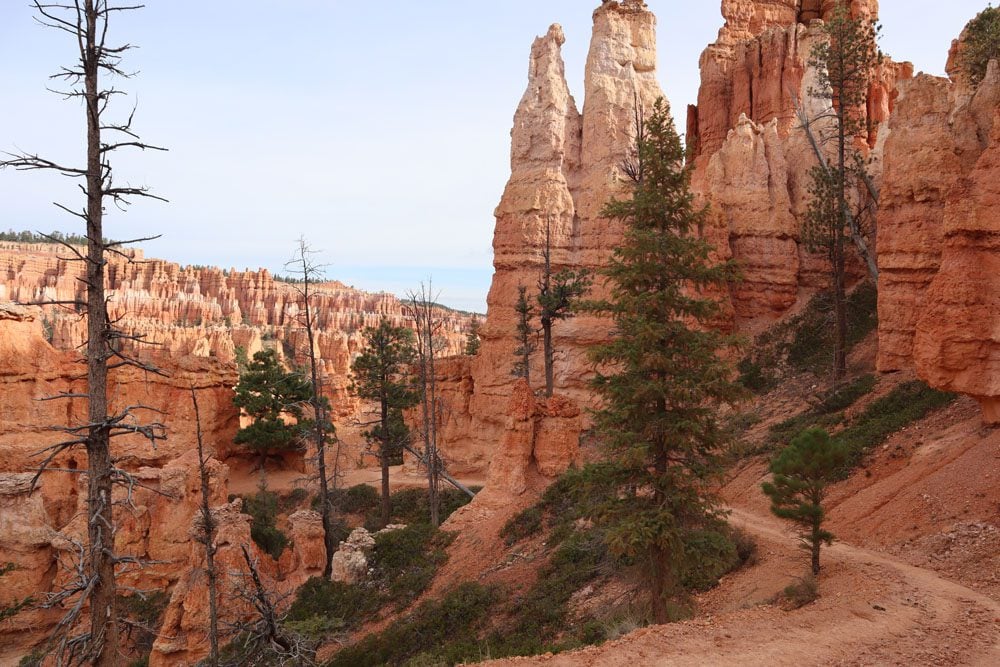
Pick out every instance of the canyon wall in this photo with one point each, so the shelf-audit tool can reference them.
(208, 312)
(752, 160)
(42, 525)
(939, 236)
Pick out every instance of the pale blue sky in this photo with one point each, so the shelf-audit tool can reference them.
(379, 130)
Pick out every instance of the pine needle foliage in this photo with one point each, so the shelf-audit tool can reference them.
(802, 473)
(661, 376)
(982, 43)
(274, 398)
(380, 376)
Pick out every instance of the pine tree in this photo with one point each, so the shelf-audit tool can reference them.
(802, 472)
(273, 398)
(661, 376)
(525, 344)
(380, 376)
(844, 62)
(982, 43)
(472, 341)
(558, 296)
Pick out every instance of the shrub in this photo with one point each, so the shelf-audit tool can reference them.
(709, 553)
(358, 499)
(343, 605)
(982, 43)
(801, 593)
(905, 404)
(406, 560)
(438, 631)
(522, 525)
(146, 612)
(263, 510)
(843, 397)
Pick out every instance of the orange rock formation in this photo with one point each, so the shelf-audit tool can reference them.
(939, 225)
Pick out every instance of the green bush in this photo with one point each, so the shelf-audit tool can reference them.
(345, 605)
(982, 43)
(146, 613)
(843, 397)
(801, 593)
(358, 499)
(522, 525)
(441, 631)
(263, 510)
(405, 561)
(813, 341)
(709, 553)
(411, 506)
(904, 405)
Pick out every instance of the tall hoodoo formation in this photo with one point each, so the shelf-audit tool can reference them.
(564, 167)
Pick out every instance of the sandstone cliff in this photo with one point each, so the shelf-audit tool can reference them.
(208, 312)
(938, 237)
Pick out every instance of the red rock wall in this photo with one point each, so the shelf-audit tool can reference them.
(938, 238)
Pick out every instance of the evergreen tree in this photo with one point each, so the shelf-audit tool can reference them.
(472, 341)
(661, 376)
(272, 397)
(982, 43)
(802, 472)
(844, 62)
(558, 295)
(380, 375)
(525, 345)
(15, 607)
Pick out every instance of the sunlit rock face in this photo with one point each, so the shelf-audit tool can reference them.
(565, 166)
(939, 227)
(209, 312)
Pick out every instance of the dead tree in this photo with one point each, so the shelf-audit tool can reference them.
(262, 640)
(206, 536)
(322, 429)
(421, 306)
(87, 22)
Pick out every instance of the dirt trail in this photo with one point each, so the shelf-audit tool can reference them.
(874, 610)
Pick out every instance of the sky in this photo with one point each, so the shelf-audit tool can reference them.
(379, 131)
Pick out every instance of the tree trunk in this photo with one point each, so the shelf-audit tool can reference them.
(100, 519)
(208, 538)
(815, 546)
(432, 469)
(839, 269)
(547, 350)
(658, 600)
(384, 460)
(319, 417)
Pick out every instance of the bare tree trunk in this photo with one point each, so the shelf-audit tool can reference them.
(546, 319)
(319, 415)
(422, 305)
(208, 539)
(839, 268)
(87, 21)
(100, 520)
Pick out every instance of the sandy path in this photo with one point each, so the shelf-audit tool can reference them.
(874, 610)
